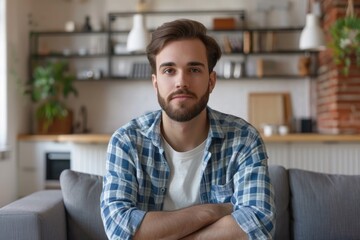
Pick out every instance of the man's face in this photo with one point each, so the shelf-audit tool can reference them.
(182, 81)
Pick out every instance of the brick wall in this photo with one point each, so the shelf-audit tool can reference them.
(338, 96)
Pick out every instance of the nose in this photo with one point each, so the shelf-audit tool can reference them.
(182, 81)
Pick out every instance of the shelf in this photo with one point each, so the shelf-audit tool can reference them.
(280, 52)
(128, 54)
(64, 33)
(252, 29)
(266, 77)
(249, 29)
(113, 15)
(54, 55)
(104, 138)
(260, 29)
(128, 78)
(260, 41)
(269, 77)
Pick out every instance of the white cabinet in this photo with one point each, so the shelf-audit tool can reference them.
(32, 164)
(327, 157)
(87, 158)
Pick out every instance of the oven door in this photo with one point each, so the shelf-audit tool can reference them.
(56, 162)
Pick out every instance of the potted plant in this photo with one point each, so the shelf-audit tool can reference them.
(345, 43)
(50, 86)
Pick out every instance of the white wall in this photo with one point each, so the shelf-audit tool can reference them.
(16, 110)
(116, 102)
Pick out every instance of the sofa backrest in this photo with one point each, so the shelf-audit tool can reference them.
(81, 194)
(324, 206)
(280, 181)
(309, 205)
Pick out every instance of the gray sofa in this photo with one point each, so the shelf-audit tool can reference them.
(309, 206)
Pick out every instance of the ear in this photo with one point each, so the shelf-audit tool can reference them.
(154, 81)
(212, 81)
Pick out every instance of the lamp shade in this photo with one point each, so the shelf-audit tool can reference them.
(312, 36)
(139, 36)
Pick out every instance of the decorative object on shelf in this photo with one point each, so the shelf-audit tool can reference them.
(304, 65)
(139, 36)
(312, 36)
(273, 13)
(87, 25)
(316, 9)
(70, 26)
(140, 70)
(90, 74)
(51, 84)
(82, 51)
(110, 46)
(270, 108)
(345, 42)
(224, 23)
(141, 6)
(233, 69)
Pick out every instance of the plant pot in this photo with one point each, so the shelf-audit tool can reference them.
(58, 126)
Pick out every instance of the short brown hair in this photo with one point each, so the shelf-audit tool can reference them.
(178, 30)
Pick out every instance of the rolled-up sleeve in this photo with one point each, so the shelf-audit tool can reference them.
(253, 199)
(120, 216)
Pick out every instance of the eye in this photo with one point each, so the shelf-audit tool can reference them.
(168, 71)
(195, 70)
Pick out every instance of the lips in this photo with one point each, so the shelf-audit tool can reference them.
(182, 94)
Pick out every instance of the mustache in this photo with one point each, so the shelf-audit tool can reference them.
(181, 91)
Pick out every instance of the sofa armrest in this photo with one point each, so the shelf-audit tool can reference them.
(40, 215)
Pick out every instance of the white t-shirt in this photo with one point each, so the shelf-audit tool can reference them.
(185, 173)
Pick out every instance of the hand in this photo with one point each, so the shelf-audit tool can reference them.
(225, 228)
(180, 223)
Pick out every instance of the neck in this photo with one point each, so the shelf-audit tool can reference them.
(184, 136)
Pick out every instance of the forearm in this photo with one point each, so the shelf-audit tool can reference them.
(225, 228)
(180, 223)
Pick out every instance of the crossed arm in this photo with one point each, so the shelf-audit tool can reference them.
(206, 221)
(125, 217)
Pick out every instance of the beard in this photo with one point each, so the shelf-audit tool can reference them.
(183, 113)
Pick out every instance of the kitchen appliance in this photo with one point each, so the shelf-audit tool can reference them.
(56, 162)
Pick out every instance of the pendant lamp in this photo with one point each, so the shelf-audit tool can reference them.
(139, 36)
(312, 36)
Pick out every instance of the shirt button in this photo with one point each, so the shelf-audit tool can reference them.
(162, 190)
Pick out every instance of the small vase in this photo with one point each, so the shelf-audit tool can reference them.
(58, 126)
(139, 36)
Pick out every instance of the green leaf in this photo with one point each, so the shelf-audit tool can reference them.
(51, 83)
(345, 29)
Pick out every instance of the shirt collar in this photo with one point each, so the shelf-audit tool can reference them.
(153, 131)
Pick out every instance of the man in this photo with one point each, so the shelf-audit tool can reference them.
(187, 171)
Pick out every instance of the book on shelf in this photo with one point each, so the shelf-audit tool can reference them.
(140, 70)
(247, 42)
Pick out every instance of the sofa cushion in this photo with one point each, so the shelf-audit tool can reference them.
(324, 206)
(280, 182)
(81, 193)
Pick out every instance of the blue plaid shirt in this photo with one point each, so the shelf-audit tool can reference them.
(234, 170)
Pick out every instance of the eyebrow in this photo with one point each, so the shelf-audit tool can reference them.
(169, 64)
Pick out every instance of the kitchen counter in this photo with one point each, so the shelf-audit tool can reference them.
(315, 152)
(76, 138)
(104, 138)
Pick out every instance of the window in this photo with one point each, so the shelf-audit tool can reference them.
(3, 74)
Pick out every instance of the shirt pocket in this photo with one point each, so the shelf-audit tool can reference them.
(222, 193)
